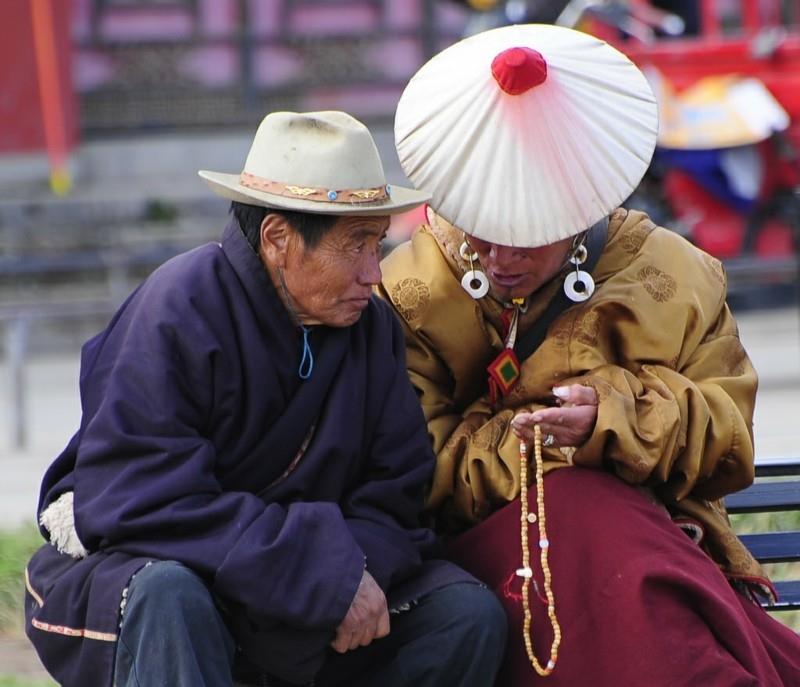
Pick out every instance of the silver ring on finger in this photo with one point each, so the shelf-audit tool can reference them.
(548, 440)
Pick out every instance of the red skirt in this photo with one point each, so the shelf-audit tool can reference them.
(638, 602)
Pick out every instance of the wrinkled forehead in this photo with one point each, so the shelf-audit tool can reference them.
(356, 225)
(352, 228)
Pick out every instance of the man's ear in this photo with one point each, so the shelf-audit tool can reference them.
(275, 239)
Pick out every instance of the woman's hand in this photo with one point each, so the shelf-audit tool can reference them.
(571, 423)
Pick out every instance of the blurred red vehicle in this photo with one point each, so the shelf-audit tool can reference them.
(739, 41)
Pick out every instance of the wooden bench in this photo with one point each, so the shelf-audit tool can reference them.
(768, 495)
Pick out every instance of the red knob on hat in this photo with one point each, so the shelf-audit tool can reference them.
(517, 70)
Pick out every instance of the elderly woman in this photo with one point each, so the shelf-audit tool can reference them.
(248, 474)
(550, 332)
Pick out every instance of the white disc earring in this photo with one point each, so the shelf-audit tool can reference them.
(475, 283)
(578, 286)
(463, 251)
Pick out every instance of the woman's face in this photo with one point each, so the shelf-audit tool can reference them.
(332, 282)
(518, 272)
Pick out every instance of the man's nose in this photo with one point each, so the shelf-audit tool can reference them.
(371, 271)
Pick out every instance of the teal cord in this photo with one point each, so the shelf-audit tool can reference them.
(307, 361)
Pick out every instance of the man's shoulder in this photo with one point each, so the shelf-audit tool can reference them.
(193, 281)
(186, 274)
(189, 265)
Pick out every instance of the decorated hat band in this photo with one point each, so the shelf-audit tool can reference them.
(358, 195)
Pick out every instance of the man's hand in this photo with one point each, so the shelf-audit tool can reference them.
(571, 423)
(366, 619)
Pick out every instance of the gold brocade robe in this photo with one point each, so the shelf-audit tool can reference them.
(656, 341)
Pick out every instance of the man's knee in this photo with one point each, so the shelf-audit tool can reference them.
(471, 616)
(169, 587)
(171, 631)
(461, 634)
(476, 608)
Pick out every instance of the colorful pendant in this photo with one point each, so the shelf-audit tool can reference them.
(504, 370)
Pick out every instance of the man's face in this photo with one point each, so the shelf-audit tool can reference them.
(518, 272)
(332, 283)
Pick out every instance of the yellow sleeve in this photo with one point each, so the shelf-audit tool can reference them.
(682, 432)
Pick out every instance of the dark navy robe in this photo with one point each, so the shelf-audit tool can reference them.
(200, 443)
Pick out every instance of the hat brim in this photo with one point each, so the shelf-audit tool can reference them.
(534, 168)
(228, 186)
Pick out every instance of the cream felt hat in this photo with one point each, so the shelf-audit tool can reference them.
(525, 135)
(318, 162)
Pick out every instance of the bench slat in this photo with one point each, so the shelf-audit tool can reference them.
(778, 468)
(764, 497)
(788, 596)
(773, 547)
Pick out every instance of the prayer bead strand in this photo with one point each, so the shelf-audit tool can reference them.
(526, 572)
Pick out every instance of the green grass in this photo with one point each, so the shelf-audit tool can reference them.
(16, 547)
(774, 522)
(11, 681)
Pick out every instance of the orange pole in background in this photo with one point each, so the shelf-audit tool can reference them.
(51, 96)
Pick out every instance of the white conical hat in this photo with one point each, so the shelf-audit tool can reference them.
(564, 140)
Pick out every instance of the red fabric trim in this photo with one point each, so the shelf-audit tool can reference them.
(763, 585)
(507, 317)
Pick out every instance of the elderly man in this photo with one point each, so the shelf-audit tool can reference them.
(241, 500)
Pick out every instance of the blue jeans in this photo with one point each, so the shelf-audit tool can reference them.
(174, 635)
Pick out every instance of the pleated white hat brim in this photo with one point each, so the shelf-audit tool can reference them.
(527, 170)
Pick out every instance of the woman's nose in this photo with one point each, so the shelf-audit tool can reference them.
(500, 254)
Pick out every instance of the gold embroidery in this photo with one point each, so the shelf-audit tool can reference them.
(715, 266)
(733, 360)
(366, 194)
(634, 238)
(357, 195)
(588, 328)
(517, 393)
(561, 330)
(463, 432)
(661, 286)
(601, 388)
(411, 296)
(488, 436)
(301, 191)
